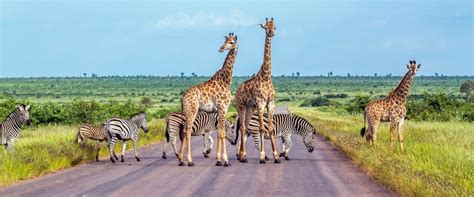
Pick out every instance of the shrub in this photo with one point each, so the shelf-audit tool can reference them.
(357, 104)
(317, 102)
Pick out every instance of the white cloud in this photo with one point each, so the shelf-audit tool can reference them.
(235, 18)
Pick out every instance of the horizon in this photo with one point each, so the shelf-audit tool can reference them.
(54, 38)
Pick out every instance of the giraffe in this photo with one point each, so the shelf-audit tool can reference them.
(211, 96)
(392, 108)
(258, 94)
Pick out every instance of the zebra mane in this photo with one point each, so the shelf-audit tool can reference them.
(299, 119)
(138, 114)
(13, 113)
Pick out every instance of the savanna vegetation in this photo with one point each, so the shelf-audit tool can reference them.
(438, 131)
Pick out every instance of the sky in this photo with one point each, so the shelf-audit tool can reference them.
(360, 37)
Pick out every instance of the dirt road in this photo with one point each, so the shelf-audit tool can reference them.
(325, 172)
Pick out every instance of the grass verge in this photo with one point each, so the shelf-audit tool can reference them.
(47, 149)
(438, 157)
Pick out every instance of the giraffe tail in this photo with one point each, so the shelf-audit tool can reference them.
(362, 131)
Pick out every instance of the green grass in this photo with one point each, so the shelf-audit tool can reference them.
(47, 149)
(438, 157)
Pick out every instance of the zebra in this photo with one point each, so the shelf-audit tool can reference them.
(285, 126)
(10, 128)
(125, 130)
(204, 124)
(93, 132)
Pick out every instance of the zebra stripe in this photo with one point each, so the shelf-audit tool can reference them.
(285, 125)
(92, 132)
(125, 130)
(10, 128)
(204, 124)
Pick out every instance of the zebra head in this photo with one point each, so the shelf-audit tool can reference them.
(25, 115)
(140, 120)
(308, 137)
(231, 132)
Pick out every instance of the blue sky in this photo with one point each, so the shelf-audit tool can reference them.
(68, 38)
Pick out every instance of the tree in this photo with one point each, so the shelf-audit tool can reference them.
(146, 101)
(194, 74)
(182, 74)
(466, 88)
(293, 74)
(375, 74)
(329, 73)
(94, 75)
(348, 75)
(297, 74)
(436, 74)
(85, 75)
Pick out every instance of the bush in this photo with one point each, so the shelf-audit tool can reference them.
(439, 107)
(340, 95)
(317, 102)
(357, 104)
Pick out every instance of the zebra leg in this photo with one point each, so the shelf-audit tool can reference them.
(135, 148)
(271, 130)
(260, 109)
(211, 143)
(206, 144)
(124, 146)
(98, 150)
(173, 143)
(164, 150)
(111, 149)
(289, 144)
(256, 140)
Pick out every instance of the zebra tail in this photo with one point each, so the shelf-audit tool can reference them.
(181, 132)
(362, 131)
(167, 129)
(79, 138)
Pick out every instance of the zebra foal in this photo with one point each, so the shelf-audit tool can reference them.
(92, 132)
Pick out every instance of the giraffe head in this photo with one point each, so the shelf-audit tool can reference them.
(269, 27)
(229, 43)
(413, 67)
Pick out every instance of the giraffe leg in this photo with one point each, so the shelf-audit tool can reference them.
(190, 111)
(373, 133)
(271, 131)
(400, 133)
(241, 121)
(221, 133)
(260, 109)
(393, 126)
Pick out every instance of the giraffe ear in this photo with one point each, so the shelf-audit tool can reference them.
(419, 65)
(235, 37)
(261, 25)
(408, 66)
(272, 18)
(225, 37)
(27, 107)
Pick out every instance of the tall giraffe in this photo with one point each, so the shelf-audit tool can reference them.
(392, 108)
(258, 94)
(211, 96)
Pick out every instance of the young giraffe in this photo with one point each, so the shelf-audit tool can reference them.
(212, 96)
(390, 109)
(256, 94)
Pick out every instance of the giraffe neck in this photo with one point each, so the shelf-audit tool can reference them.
(225, 73)
(265, 70)
(401, 92)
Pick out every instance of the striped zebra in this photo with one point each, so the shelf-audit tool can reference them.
(125, 130)
(204, 124)
(285, 125)
(92, 132)
(10, 128)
